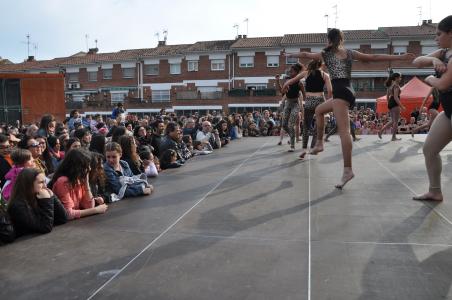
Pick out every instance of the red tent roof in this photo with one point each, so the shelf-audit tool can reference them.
(413, 89)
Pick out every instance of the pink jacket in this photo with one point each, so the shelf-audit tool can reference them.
(73, 199)
(10, 180)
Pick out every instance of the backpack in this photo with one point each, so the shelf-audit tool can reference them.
(7, 234)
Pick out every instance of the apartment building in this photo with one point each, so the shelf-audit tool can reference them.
(228, 75)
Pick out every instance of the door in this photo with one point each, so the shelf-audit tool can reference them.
(10, 101)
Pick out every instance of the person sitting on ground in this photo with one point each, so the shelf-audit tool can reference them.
(54, 146)
(22, 158)
(266, 124)
(142, 138)
(253, 130)
(71, 144)
(32, 131)
(33, 208)
(47, 126)
(190, 128)
(97, 144)
(117, 133)
(84, 135)
(159, 129)
(70, 183)
(130, 155)
(97, 177)
(115, 168)
(169, 160)
(36, 152)
(201, 149)
(172, 141)
(6, 162)
(150, 168)
(46, 157)
(206, 135)
(223, 132)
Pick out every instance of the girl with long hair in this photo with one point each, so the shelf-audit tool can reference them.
(440, 133)
(70, 183)
(33, 207)
(339, 62)
(394, 104)
(130, 154)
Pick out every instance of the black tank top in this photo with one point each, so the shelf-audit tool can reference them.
(294, 91)
(315, 82)
(445, 97)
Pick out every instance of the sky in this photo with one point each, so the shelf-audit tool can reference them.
(59, 27)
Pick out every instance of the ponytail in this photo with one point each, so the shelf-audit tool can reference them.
(391, 79)
(314, 65)
(335, 38)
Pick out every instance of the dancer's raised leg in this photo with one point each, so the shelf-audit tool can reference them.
(320, 112)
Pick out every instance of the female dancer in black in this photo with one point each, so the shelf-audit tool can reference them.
(440, 133)
(339, 63)
(394, 104)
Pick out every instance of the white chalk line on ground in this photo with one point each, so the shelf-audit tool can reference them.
(175, 222)
(309, 229)
(439, 213)
(383, 243)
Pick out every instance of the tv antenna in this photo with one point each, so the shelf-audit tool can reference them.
(246, 21)
(419, 13)
(157, 34)
(86, 41)
(35, 48)
(327, 17)
(336, 16)
(236, 26)
(95, 41)
(165, 34)
(28, 42)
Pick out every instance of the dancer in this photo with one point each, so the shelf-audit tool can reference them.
(394, 104)
(440, 133)
(281, 109)
(432, 110)
(339, 63)
(292, 106)
(316, 80)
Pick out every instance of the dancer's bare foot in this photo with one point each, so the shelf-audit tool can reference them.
(412, 133)
(346, 177)
(430, 196)
(379, 135)
(280, 143)
(317, 149)
(356, 139)
(327, 140)
(395, 139)
(303, 155)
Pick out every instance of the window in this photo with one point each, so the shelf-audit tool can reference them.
(72, 77)
(398, 50)
(151, 69)
(175, 69)
(380, 51)
(257, 86)
(246, 61)
(128, 73)
(428, 49)
(108, 73)
(92, 76)
(217, 65)
(192, 66)
(272, 61)
(291, 60)
(118, 97)
(161, 96)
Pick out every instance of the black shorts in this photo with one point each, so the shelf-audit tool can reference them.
(392, 103)
(342, 89)
(446, 102)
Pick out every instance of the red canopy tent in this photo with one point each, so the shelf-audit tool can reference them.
(413, 92)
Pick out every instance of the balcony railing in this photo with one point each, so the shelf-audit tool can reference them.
(238, 93)
(247, 93)
(187, 95)
(212, 95)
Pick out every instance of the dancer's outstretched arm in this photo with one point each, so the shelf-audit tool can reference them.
(381, 57)
(431, 60)
(443, 83)
(426, 97)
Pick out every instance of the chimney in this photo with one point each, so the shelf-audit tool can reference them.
(162, 43)
(429, 21)
(244, 36)
(93, 50)
(31, 58)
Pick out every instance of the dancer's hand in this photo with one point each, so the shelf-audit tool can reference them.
(408, 56)
(403, 107)
(439, 66)
(429, 78)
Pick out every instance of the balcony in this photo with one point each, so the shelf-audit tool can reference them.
(211, 95)
(196, 95)
(248, 93)
(187, 95)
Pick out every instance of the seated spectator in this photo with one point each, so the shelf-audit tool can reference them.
(223, 132)
(35, 148)
(33, 207)
(159, 129)
(117, 133)
(141, 136)
(150, 168)
(130, 155)
(97, 177)
(172, 141)
(21, 159)
(190, 128)
(201, 149)
(84, 135)
(206, 135)
(60, 129)
(115, 168)
(253, 130)
(71, 185)
(47, 126)
(118, 111)
(54, 145)
(98, 143)
(169, 160)
(64, 138)
(72, 143)
(6, 162)
(74, 117)
(46, 156)
(32, 131)
(266, 124)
